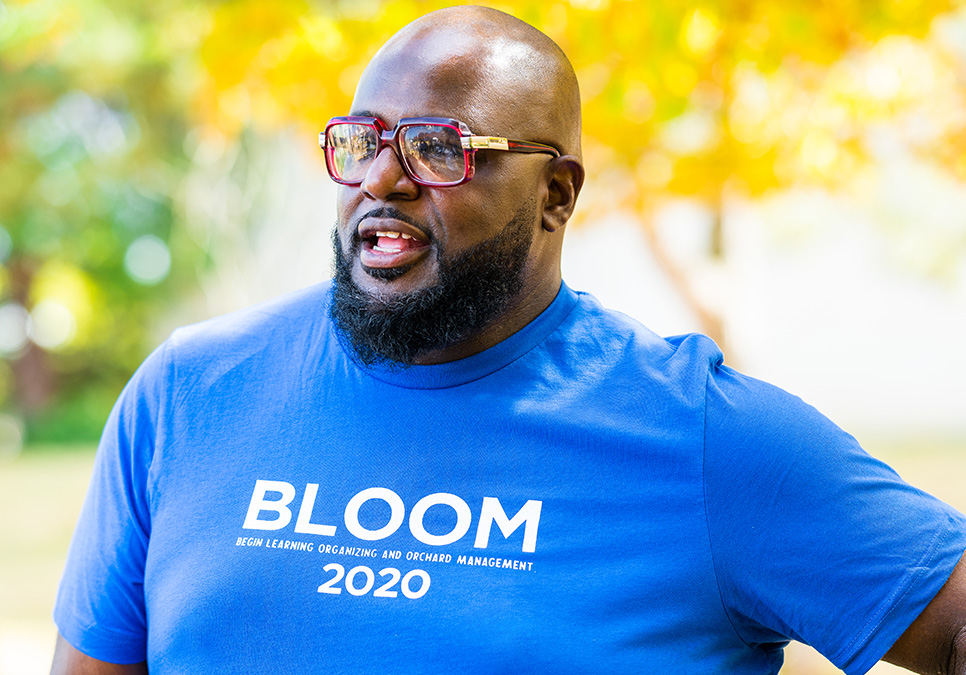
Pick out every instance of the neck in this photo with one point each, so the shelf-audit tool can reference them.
(526, 307)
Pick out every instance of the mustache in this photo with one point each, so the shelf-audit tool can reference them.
(395, 214)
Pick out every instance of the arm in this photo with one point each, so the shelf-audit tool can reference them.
(100, 601)
(866, 549)
(936, 640)
(70, 661)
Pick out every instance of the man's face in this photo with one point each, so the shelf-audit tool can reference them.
(398, 242)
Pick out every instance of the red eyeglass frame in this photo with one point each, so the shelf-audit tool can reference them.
(470, 143)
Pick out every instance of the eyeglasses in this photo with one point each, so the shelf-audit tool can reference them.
(433, 151)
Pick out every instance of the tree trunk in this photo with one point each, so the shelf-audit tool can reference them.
(34, 383)
(712, 323)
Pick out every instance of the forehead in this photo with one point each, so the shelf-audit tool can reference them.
(438, 78)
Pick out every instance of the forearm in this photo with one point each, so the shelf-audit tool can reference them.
(936, 640)
(70, 661)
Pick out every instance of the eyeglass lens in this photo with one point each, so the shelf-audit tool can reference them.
(432, 153)
(351, 148)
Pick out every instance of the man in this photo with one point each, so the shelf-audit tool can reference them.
(450, 462)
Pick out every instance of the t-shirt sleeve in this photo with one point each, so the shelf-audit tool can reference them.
(813, 539)
(100, 606)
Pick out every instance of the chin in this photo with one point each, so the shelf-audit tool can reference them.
(387, 274)
(396, 281)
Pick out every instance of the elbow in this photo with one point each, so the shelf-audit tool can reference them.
(957, 655)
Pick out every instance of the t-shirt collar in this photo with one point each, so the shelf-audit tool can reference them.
(462, 371)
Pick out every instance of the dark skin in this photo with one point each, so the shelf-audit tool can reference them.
(936, 641)
(503, 78)
(67, 659)
(458, 69)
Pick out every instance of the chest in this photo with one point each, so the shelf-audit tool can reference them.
(363, 535)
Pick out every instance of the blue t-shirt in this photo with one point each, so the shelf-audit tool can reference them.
(584, 497)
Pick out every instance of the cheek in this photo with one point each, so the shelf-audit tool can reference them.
(345, 201)
(509, 178)
(501, 195)
(469, 219)
(477, 220)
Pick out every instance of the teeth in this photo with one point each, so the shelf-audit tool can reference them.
(394, 235)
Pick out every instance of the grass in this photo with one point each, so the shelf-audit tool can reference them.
(41, 492)
(42, 489)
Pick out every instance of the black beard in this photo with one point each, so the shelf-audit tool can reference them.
(473, 289)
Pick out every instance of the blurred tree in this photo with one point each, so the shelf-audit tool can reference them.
(709, 101)
(106, 106)
(93, 117)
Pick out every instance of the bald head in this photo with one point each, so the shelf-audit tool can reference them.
(500, 75)
(503, 230)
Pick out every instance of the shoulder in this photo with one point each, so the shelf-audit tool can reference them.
(622, 348)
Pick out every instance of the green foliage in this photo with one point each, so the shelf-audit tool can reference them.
(94, 110)
(106, 104)
(77, 412)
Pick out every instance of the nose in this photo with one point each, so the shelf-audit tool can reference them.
(386, 179)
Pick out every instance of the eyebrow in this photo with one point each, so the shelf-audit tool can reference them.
(363, 113)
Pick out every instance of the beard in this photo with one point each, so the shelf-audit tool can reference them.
(473, 289)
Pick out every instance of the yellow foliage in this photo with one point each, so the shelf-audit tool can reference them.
(60, 282)
(701, 31)
(752, 94)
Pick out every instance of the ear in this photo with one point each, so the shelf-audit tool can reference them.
(565, 178)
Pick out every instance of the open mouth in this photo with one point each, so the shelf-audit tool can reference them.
(390, 243)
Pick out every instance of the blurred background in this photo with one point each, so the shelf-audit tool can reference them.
(788, 177)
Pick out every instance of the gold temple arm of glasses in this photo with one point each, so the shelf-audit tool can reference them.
(497, 143)
(485, 142)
